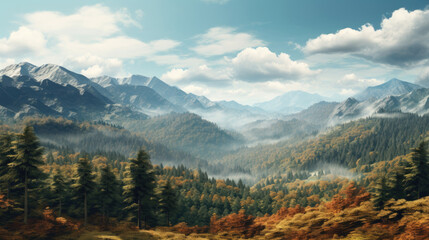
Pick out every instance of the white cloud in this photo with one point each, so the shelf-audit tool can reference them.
(93, 33)
(198, 90)
(223, 40)
(163, 45)
(352, 81)
(348, 92)
(402, 40)
(250, 65)
(202, 74)
(93, 66)
(117, 47)
(93, 71)
(88, 23)
(260, 64)
(24, 41)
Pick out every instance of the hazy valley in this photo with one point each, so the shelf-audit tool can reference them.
(280, 120)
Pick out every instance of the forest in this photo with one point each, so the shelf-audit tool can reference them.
(48, 192)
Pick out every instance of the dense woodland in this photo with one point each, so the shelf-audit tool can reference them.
(187, 132)
(354, 145)
(53, 191)
(99, 138)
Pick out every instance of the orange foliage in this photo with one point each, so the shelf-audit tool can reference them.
(354, 196)
(415, 230)
(240, 223)
(283, 213)
(185, 229)
(46, 228)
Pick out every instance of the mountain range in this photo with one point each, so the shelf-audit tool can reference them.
(290, 102)
(391, 98)
(23, 96)
(56, 91)
(175, 100)
(394, 87)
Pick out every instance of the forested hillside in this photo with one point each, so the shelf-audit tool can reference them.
(53, 196)
(268, 131)
(353, 145)
(187, 132)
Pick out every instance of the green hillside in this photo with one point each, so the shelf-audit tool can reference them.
(187, 132)
(353, 145)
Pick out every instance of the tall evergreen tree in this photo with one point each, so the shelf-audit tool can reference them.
(6, 157)
(167, 200)
(417, 174)
(396, 181)
(381, 193)
(60, 190)
(109, 193)
(85, 184)
(139, 188)
(25, 166)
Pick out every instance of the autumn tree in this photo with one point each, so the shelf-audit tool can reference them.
(352, 196)
(139, 188)
(85, 184)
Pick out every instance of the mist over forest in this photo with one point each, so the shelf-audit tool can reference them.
(214, 119)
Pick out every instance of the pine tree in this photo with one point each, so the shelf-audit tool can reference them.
(139, 188)
(85, 184)
(381, 193)
(60, 190)
(25, 166)
(167, 200)
(417, 174)
(396, 181)
(6, 157)
(109, 193)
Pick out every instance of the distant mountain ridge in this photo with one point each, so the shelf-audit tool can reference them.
(290, 102)
(23, 96)
(393, 87)
(147, 95)
(222, 112)
(55, 73)
(28, 89)
(173, 94)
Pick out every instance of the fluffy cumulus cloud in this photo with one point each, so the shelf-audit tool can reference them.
(215, 77)
(224, 40)
(93, 66)
(88, 23)
(402, 40)
(91, 40)
(252, 65)
(352, 81)
(260, 65)
(348, 92)
(24, 41)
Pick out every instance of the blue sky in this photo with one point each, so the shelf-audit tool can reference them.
(243, 50)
